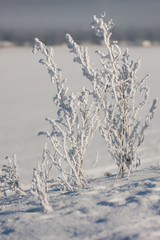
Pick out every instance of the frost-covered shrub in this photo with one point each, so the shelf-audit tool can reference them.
(45, 168)
(38, 189)
(71, 132)
(120, 94)
(9, 180)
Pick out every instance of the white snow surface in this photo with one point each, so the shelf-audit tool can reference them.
(108, 208)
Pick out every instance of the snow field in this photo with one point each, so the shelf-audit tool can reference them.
(109, 208)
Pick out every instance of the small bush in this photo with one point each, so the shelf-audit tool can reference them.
(9, 180)
(120, 95)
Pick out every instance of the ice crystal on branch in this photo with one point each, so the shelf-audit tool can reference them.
(72, 131)
(120, 94)
(101, 27)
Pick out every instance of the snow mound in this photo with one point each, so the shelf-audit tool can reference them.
(109, 208)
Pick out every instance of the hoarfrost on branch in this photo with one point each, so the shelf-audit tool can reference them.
(116, 90)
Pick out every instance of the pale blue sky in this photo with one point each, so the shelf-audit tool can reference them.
(54, 14)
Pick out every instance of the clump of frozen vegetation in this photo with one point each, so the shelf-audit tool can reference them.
(72, 131)
(113, 104)
(9, 180)
(38, 189)
(121, 95)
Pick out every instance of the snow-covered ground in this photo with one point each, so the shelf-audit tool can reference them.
(109, 208)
